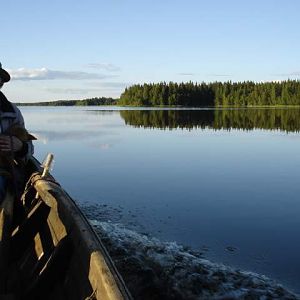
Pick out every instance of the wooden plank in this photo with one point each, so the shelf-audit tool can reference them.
(53, 272)
(56, 226)
(97, 265)
(77, 277)
(26, 232)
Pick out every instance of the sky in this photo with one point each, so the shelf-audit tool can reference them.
(63, 49)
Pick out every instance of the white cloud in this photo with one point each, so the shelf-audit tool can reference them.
(104, 66)
(95, 87)
(186, 74)
(46, 74)
(72, 91)
(109, 85)
(220, 75)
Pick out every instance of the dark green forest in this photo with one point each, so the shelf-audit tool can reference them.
(219, 119)
(85, 102)
(192, 94)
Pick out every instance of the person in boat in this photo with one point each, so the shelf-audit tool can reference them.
(11, 144)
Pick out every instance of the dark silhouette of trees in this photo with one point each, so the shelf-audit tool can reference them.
(236, 94)
(231, 118)
(85, 102)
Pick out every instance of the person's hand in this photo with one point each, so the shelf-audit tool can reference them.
(8, 144)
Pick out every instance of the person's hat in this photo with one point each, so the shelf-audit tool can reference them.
(4, 76)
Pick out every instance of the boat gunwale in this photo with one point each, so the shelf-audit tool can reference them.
(75, 217)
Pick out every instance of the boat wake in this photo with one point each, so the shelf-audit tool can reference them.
(153, 269)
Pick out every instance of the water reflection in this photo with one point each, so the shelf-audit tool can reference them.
(233, 194)
(246, 119)
(48, 135)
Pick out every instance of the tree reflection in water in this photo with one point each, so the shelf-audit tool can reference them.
(283, 119)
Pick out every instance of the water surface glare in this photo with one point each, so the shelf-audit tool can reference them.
(225, 182)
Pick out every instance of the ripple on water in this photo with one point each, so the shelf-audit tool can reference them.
(165, 270)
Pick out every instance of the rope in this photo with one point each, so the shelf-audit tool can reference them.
(39, 177)
(12, 166)
(92, 296)
(33, 179)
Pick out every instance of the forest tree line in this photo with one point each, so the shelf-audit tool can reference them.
(190, 94)
(84, 102)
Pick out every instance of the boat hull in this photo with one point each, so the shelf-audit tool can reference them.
(50, 249)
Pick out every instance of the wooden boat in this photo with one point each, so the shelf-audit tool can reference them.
(48, 250)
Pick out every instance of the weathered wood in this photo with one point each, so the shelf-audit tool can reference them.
(25, 233)
(102, 274)
(54, 271)
(77, 277)
(56, 253)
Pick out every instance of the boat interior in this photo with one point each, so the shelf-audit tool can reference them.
(48, 250)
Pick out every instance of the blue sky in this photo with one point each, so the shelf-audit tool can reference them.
(79, 49)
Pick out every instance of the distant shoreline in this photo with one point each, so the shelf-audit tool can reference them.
(85, 102)
(157, 106)
(189, 94)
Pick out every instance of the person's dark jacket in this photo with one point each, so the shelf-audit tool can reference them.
(10, 115)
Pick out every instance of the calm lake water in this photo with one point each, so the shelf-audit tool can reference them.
(225, 182)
